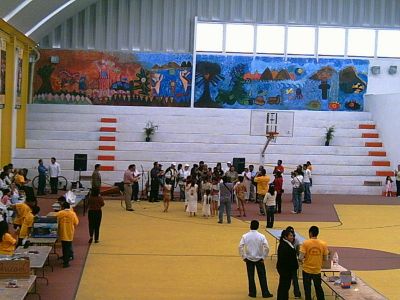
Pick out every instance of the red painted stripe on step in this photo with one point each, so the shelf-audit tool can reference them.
(107, 148)
(376, 153)
(106, 157)
(381, 163)
(106, 168)
(108, 120)
(373, 144)
(107, 138)
(370, 135)
(384, 173)
(108, 129)
(366, 126)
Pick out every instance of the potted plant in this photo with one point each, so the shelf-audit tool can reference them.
(149, 130)
(329, 134)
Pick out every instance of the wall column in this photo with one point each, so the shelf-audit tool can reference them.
(7, 112)
(21, 113)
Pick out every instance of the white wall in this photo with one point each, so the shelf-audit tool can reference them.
(385, 111)
(384, 83)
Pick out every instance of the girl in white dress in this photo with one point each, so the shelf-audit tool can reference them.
(191, 192)
(207, 204)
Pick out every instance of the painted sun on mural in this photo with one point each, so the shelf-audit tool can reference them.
(113, 78)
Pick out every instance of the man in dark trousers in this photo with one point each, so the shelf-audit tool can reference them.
(155, 182)
(312, 252)
(253, 248)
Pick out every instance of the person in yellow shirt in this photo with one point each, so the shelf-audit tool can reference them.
(262, 181)
(7, 242)
(312, 253)
(27, 224)
(67, 220)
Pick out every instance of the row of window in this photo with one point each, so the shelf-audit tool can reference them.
(297, 40)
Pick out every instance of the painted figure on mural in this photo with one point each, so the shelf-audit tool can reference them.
(104, 76)
(156, 79)
(184, 77)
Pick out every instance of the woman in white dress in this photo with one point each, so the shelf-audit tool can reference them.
(191, 193)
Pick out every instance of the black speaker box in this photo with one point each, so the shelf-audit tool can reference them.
(80, 162)
(239, 164)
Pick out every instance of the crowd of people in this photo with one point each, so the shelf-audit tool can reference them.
(217, 188)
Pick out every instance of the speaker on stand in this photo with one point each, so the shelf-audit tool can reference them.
(80, 164)
(239, 164)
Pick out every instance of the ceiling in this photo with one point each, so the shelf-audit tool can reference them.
(27, 15)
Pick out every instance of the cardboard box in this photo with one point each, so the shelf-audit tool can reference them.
(16, 268)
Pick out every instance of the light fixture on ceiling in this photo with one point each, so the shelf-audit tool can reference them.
(392, 70)
(375, 70)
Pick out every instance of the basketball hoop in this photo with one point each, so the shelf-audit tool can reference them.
(271, 136)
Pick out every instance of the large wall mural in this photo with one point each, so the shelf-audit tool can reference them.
(273, 83)
(113, 78)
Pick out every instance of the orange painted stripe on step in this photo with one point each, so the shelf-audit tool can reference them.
(376, 153)
(370, 135)
(381, 163)
(372, 144)
(108, 120)
(108, 129)
(384, 173)
(106, 157)
(366, 126)
(106, 168)
(107, 148)
(107, 138)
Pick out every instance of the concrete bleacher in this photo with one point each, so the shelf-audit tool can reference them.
(187, 135)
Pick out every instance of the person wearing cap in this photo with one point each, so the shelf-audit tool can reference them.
(96, 177)
(182, 176)
(228, 166)
(171, 174)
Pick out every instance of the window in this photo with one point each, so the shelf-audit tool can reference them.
(239, 38)
(301, 40)
(331, 41)
(361, 42)
(270, 39)
(388, 43)
(209, 37)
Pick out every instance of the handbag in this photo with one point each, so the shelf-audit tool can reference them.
(301, 186)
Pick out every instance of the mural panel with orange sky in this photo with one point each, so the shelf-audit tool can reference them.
(113, 78)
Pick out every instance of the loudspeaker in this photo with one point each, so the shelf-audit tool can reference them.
(80, 162)
(239, 164)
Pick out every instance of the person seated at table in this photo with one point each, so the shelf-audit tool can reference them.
(67, 220)
(27, 224)
(7, 242)
(19, 179)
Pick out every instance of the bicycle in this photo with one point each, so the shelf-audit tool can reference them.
(62, 183)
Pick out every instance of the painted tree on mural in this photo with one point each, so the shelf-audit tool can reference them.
(45, 73)
(237, 92)
(142, 83)
(208, 74)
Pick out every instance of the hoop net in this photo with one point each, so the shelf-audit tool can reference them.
(272, 135)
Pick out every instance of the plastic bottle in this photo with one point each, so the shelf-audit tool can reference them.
(335, 259)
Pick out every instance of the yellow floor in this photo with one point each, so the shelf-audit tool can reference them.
(149, 254)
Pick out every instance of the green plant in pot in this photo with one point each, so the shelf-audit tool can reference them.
(149, 130)
(329, 135)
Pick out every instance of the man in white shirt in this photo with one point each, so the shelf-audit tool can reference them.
(298, 185)
(54, 171)
(307, 184)
(183, 174)
(253, 248)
